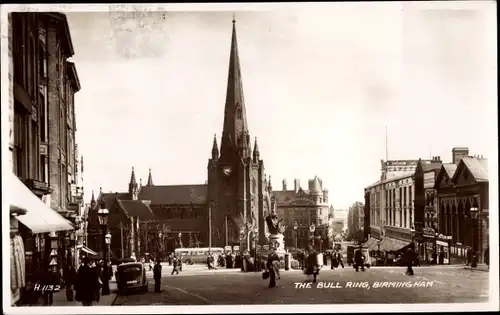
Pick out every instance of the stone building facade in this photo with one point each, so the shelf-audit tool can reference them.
(42, 148)
(305, 207)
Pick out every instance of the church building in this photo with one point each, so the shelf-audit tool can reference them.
(235, 200)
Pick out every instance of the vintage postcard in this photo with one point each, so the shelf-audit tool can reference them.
(225, 158)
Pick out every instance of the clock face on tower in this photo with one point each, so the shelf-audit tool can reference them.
(227, 170)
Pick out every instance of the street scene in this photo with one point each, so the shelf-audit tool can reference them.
(288, 157)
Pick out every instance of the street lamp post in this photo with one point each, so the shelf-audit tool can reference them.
(108, 243)
(295, 228)
(103, 221)
(312, 228)
(474, 213)
(160, 236)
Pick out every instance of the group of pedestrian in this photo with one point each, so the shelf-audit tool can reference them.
(177, 264)
(336, 259)
(88, 281)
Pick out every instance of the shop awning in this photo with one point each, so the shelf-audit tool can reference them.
(39, 217)
(86, 249)
(390, 244)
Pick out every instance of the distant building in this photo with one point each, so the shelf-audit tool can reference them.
(355, 221)
(304, 208)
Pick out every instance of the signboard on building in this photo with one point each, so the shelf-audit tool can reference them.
(428, 232)
(429, 180)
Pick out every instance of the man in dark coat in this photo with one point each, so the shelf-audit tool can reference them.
(157, 276)
(409, 258)
(52, 278)
(359, 260)
(175, 268)
(69, 279)
(86, 284)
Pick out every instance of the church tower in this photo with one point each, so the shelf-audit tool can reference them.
(236, 178)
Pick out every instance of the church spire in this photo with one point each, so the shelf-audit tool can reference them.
(132, 186)
(150, 179)
(215, 149)
(256, 153)
(92, 200)
(235, 120)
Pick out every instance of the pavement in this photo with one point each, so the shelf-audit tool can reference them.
(105, 300)
(196, 285)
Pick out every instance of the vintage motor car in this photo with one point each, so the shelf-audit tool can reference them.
(131, 276)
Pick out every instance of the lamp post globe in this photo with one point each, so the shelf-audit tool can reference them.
(295, 227)
(102, 214)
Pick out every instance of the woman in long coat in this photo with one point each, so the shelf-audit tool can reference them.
(273, 265)
(312, 263)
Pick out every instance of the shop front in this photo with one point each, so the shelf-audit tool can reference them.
(34, 241)
(395, 242)
(443, 249)
(429, 245)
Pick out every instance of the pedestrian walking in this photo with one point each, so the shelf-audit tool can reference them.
(469, 256)
(175, 266)
(157, 276)
(359, 260)
(52, 277)
(86, 283)
(312, 263)
(487, 256)
(273, 267)
(409, 258)
(180, 263)
(339, 259)
(69, 279)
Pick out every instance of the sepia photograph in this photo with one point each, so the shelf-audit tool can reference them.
(201, 158)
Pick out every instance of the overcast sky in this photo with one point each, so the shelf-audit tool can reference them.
(320, 83)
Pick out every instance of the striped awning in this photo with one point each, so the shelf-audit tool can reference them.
(39, 217)
(390, 244)
(86, 249)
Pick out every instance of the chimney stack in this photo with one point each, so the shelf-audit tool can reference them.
(296, 184)
(284, 184)
(458, 153)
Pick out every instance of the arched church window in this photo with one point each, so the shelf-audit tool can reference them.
(254, 186)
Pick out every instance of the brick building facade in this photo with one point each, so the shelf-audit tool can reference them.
(42, 148)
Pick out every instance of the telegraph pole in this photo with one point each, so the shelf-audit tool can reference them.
(227, 237)
(210, 229)
(121, 238)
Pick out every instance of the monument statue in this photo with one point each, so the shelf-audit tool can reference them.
(273, 223)
(276, 239)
